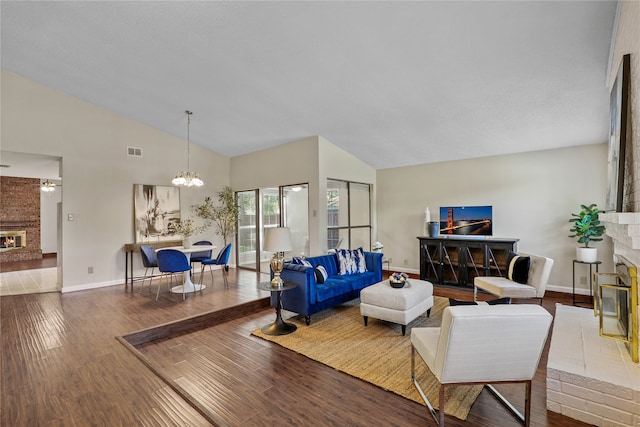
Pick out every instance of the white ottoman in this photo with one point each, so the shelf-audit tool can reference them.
(401, 305)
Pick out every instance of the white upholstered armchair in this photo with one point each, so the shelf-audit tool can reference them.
(535, 286)
(483, 344)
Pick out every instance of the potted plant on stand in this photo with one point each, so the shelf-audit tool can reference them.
(187, 228)
(587, 228)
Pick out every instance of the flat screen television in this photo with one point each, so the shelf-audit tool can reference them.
(466, 220)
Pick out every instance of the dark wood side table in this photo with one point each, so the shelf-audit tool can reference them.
(590, 264)
(279, 326)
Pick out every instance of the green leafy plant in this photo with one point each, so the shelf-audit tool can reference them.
(187, 228)
(224, 215)
(586, 225)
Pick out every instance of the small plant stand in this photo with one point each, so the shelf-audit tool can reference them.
(590, 264)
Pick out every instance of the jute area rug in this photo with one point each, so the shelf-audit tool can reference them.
(377, 353)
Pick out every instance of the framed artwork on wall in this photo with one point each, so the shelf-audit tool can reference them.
(618, 136)
(155, 208)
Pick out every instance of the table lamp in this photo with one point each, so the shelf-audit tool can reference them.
(278, 241)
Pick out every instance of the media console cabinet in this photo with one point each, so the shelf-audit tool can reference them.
(456, 260)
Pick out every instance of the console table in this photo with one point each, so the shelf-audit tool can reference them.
(130, 248)
(456, 260)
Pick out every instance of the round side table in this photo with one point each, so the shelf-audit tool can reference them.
(279, 326)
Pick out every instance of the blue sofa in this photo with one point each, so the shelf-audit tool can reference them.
(310, 297)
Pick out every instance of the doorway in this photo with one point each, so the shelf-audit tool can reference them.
(45, 274)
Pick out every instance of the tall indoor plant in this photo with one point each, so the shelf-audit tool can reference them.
(587, 228)
(224, 215)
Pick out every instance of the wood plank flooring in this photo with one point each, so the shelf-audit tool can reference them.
(63, 366)
(47, 261)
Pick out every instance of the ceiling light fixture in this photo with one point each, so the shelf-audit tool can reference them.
(47, 186)
(188, 178)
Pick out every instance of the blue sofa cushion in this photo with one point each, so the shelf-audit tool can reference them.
(332, 287)
(327, 261)
(362, 280)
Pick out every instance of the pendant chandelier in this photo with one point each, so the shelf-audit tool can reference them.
(47, 186)
(188, 178)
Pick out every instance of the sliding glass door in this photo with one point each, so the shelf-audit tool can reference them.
(247, 229)
(295, 215)
(266, 208)
(270, 208)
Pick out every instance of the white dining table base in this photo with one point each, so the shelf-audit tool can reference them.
(187, 286)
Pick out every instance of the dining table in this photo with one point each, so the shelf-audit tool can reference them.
(187, 284)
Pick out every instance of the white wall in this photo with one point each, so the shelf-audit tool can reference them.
(310, 160)
(532, 194)
(97, 175)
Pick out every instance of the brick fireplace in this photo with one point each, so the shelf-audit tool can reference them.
(20, 218)
(591, 378)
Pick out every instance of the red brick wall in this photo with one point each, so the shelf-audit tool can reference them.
(20, 210)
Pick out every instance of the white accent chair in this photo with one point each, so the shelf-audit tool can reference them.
(483, 344)
(539, 271)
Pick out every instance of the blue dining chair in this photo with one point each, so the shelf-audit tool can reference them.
(171, 261)
(199, 256)
(149, 260)
(222, 260)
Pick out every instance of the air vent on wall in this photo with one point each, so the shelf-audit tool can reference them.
(134, 151)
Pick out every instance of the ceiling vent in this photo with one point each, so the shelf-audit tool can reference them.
(134, 151)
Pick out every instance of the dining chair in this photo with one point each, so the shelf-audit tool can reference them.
(149, 260)
(222, 260)
(171, 261)
(199, 256)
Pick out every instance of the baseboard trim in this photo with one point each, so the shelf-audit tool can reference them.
(86, 287)
(567, 290)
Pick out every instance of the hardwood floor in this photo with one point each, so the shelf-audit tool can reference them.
(63, 366)
(47, 261)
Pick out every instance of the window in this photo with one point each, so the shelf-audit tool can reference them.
(348, 214)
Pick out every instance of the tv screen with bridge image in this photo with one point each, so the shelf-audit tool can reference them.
(466, 220)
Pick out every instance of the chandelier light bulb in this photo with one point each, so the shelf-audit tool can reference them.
(188, 178)
(47, 186)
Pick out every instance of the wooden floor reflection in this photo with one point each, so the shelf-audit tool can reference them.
(62, 365)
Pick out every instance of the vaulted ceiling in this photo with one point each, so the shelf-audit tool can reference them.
(393, 83)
